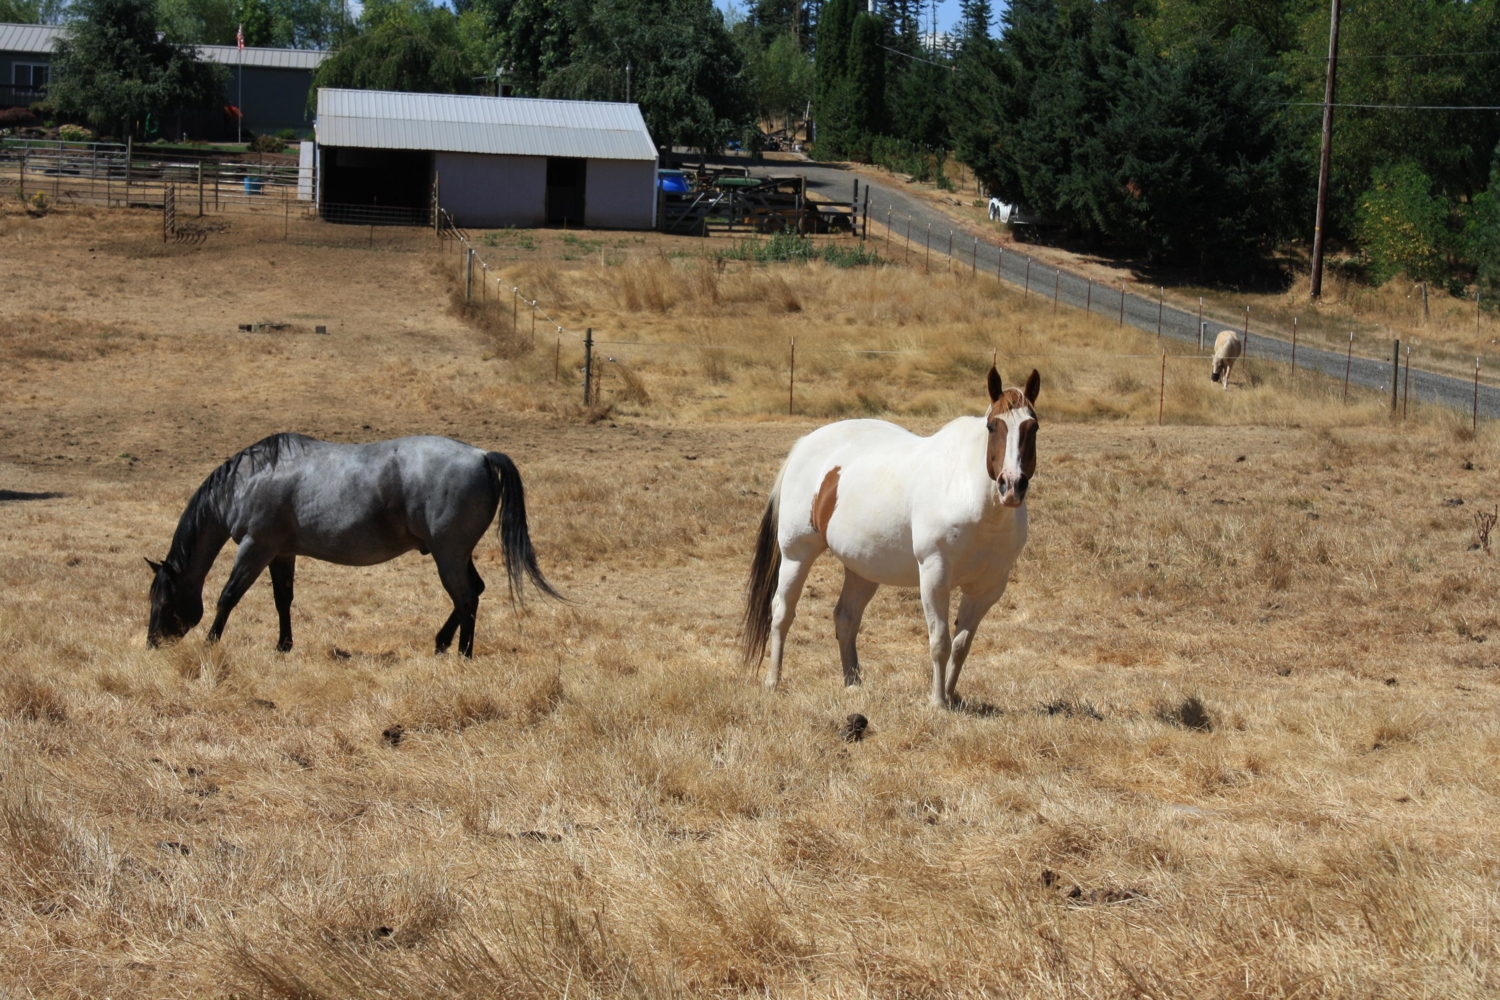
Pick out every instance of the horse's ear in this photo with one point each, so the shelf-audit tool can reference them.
(1033, 386)
(994, 383)
(155, 566)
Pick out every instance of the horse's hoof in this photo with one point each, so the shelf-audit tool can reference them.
(284, 647)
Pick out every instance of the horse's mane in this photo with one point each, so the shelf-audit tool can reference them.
(203, 509)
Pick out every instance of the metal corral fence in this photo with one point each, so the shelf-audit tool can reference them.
(113, 175)
(110, 174)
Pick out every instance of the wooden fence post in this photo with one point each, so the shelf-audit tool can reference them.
(1348, 359)
(1395, 371)
(1161, 397)
(588, 365)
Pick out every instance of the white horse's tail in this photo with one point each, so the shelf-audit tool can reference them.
(765, 571)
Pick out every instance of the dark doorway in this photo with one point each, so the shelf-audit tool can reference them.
(388, 179)
(565, 182)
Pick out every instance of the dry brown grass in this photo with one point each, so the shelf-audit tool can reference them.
(1232, 731)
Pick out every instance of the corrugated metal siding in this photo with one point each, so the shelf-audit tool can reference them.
(35, 39)
(517, 126)
(492, 191)
(620, 195)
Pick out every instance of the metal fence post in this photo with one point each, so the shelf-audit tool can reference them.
(469, 277)
(1026, 292)
(588, 365)
(1122, 303)
(200, 189)
(791, 382)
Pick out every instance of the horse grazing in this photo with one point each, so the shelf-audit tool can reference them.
(906, 511)
(1226, 349)
(351, 504)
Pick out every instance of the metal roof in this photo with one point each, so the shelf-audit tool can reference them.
(228, 55)
(37, 39)
(455, 123)
(34, 39)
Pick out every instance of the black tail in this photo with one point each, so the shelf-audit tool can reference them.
(515, 540)
(760, 589)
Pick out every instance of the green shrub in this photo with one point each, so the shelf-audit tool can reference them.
(266, 144)
(784, 248)
(289, 134)
(74, 133)
(1402, 226)
(1481, 240)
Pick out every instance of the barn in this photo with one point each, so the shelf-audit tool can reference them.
(492, 161)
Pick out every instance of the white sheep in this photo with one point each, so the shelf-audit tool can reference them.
(1226, 349)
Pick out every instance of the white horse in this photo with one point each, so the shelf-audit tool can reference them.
(1000, 211)
(1226, 349)
(906, 511)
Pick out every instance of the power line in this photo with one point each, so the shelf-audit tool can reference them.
(1395, 107)
(908, 55)
(1392, 55)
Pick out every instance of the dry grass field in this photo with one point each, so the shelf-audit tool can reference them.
(1232, 732)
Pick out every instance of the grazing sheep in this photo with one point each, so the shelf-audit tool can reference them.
(1226, 349)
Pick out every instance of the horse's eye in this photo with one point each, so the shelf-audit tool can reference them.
(990, 426)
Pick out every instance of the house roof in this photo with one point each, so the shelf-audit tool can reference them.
(38, 39)
(516, 126)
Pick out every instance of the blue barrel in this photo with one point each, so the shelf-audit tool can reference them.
(254, 184)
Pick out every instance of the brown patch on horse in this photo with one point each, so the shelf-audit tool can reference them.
(1010, 399)
(825, 500)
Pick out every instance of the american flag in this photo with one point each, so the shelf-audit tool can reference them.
(239, 36)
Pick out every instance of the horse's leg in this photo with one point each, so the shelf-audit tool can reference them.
(847, 615)
(249, 562)
(466, 625)
(971, 611)
(936, 594)
(455, 576)
(283, 571)
(784, 608)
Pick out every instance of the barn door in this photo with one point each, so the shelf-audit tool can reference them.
(566, 178)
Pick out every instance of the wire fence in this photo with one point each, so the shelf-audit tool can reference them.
(1171, 367)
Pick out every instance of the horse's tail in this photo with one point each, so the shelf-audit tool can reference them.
(515, 539)
(760, 589)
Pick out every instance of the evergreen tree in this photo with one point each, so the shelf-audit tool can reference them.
(687, 72)
(1205, 169)
(975, 19)
(866, 75)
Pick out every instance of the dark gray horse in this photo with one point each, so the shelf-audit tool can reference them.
(352, 504)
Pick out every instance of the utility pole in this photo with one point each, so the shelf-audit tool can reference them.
(1322, 221)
